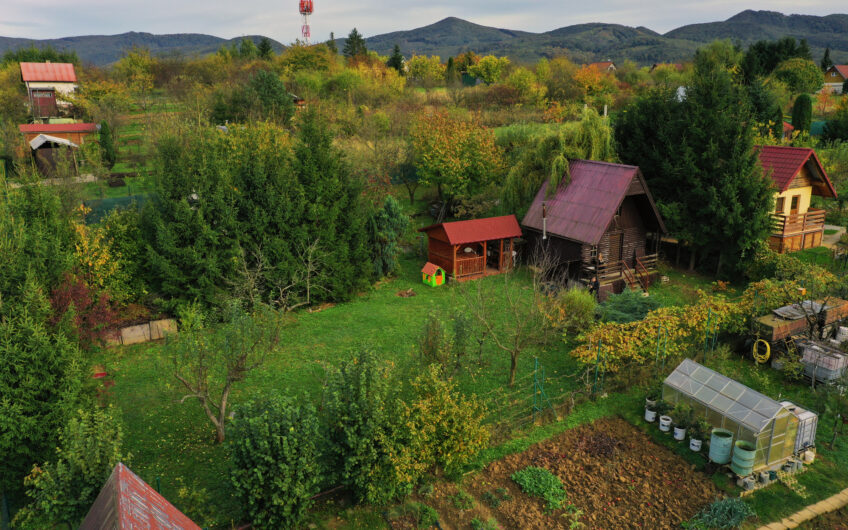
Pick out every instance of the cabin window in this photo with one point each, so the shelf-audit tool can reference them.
(793, 207)
(778, 208)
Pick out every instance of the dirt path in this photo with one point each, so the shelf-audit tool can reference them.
(810, 512)
(830, 240)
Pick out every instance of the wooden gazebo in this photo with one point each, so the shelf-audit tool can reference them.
(475, 248)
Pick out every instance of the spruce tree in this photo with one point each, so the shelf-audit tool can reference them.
(396, 60)
(802, 113)
(826, 61)
(107, 145)
(331, 44)
(265, 50)
(354, 45)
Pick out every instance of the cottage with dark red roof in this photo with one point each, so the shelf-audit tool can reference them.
(797, 174)
(473, 249)
(834, 78)
(607, 67)
(46, 84)
(601, 223)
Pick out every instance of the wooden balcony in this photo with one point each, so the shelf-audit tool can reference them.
(797, 231)
(800, 223)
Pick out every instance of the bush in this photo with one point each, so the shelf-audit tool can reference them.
(275, 461)
(462, 501)
(387, 226)
(571, 311)
(539, 482)
(62, 491)
(725, 513)
(629, 306)
(802, 113)
(488, 524)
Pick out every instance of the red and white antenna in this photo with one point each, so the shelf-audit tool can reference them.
(306, 9)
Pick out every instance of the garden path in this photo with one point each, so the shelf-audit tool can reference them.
(814, 510)
(830, 240)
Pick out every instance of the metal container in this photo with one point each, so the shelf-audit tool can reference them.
(721, 442)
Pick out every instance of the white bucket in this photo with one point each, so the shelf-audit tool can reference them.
(650, 415)
(665, 423)
(695, 445)
(679, 434)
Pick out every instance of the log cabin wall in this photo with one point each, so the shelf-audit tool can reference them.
(625, 236)
(441, 253)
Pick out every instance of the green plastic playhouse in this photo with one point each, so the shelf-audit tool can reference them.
(433, 275)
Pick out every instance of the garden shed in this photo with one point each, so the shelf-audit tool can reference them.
(752, 417)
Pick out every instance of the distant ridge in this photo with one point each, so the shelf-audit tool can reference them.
(451, 36)
(106, 49)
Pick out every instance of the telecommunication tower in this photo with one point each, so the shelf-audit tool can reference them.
(306, 8)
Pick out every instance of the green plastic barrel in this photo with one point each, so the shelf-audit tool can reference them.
(720, 444)
(743, 458)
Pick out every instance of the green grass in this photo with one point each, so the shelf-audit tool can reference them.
(830, 231)
(174, 440)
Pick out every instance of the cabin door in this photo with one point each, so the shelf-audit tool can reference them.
(44, 103)
(616, 240)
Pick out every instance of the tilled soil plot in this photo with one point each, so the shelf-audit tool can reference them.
(611, 471)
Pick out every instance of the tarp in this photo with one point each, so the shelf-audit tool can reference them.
(42, 139)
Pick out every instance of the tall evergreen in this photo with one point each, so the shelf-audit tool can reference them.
(802, 113)
(396, 60)
(354, 45)
(265, 50)
(331, 44)
(107, 145)
(826, 61)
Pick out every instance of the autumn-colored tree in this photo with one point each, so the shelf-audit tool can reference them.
(457, 156)
(489, 69)
(802, 75)
(597, 86)
(136, 70)
(427, 71)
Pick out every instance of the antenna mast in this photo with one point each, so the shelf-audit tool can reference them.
(306, 8)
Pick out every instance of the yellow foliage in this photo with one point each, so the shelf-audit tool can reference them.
(93, 260)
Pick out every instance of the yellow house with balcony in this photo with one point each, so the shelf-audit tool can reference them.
(797, 174)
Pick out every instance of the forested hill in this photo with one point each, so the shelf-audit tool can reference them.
(451, 36)
(106, 49)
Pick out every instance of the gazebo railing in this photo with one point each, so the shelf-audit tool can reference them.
(470, 266)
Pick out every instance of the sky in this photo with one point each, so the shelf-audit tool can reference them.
(279, 19)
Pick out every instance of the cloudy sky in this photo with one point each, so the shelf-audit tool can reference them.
(279, 19)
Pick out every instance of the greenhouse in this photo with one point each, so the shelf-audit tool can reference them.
(753, 417)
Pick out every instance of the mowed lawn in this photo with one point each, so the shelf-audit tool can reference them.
(174, 441)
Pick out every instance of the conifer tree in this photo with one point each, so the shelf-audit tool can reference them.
(331, 44)
(802, 113)
(354, 45)
(107, 145)
(264, 49)
(396, 60)
(826, 61)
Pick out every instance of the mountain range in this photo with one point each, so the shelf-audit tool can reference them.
(451, 36)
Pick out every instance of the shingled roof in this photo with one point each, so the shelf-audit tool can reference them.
(583, 209)
(783, 163)
(477, 230)
(41, 72)
(842, 69)
(128, 503)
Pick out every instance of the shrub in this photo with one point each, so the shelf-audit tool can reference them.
(107, 145)
(90, 314)
(387, 226)
(462, 500)
(275, 461)
(62, 491)
(629, 306)
(434, 343)
(539, 482)
(488, 524)
(725, 513)
(571, 311)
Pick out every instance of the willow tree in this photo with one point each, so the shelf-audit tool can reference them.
(546, 158)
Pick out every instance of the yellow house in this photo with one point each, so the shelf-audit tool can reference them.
(835, 78)
(797, 174)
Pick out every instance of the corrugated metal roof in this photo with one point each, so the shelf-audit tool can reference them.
(42, 139)
(476, 230)
(59, 72)
(724, 395)
(582, 210)
(783, 163)
(57, 127)
(128, 503)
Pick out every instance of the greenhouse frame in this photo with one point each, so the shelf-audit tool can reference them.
(753, 417)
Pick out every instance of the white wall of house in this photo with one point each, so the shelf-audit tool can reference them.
(60, 88)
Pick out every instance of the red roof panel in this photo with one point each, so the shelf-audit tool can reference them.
(127, 502)
(582, 210)
(476, 230)
(842, 69)
(49, 128)
(783, 163)
(430, 269)
(59, 72)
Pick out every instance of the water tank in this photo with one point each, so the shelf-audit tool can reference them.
(720, 444)
(743, 458)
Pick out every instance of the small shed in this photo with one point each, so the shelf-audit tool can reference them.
(433, 275)
(127, 502)
(475, 248)
(752, 417)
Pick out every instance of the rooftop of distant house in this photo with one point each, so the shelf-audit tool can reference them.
(46, 72)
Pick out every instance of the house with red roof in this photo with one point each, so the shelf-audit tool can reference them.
(128, 503)
(600, 223)
(834, 78)
(46, 84)
(607, 67)
(797, 175)
(472, 249)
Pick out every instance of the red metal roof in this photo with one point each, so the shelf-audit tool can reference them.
(582, 210)
(784, 162)
(604, 65)
(477, 230)
(842, 69)
(128, 503)
(59, 72)
(57, 127)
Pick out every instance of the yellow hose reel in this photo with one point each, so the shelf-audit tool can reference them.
(761, 357)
